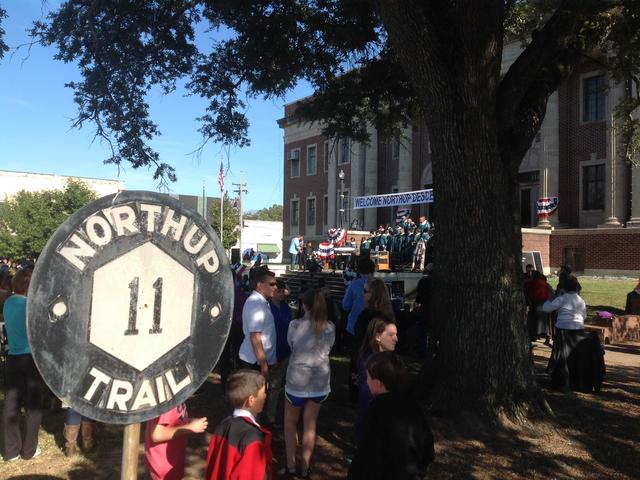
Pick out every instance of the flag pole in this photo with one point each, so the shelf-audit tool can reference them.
(221, 183)
(221, 212)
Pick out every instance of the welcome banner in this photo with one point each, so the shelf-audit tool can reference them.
(394, 199)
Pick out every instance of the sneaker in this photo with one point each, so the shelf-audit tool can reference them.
(14, 459)
(36, 454)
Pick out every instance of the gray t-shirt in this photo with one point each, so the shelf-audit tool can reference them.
(309, 371)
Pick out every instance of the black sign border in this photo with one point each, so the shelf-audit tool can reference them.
(61, 349)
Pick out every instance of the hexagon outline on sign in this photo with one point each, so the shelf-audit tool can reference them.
(150, 296)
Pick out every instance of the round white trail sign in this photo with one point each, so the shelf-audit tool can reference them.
(129, 307)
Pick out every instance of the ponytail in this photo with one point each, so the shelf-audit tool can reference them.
(319, 312)
(316, 305)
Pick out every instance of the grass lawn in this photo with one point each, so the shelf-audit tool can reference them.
(603, 294)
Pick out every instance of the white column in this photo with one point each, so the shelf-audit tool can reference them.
(615, 171)
(332, 177)
(356, 184)
(405, 176)
(371, 177)
(634, 221)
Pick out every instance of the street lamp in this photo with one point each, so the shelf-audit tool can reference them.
(341, 177)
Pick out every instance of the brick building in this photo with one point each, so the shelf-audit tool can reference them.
(574, 157)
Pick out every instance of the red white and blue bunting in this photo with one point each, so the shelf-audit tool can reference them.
(547, 206)
(337, 236)
(401, 213)
(325, 250)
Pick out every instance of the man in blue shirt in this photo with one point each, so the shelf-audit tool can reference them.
(354, 303)
(281, 317)
(23, 379)
(294, 249)
(353, 300)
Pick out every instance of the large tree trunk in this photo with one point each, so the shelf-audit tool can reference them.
(451, 56)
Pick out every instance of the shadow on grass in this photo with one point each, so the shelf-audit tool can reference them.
(467, 448)
(622, 348)
(590, 436)
(36, 477)
(609, 429)
(593, 436)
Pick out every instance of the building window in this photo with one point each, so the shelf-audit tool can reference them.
(345, 151)
(311, 160)
(346, 211)
(325, 210)
(593, 178)
(294, 157)
(295, 213)
(593, 95)
(311, 211)
(326, 156)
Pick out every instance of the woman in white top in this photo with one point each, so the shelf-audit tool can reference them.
(572, 311)
(577, 359)
(308, 377)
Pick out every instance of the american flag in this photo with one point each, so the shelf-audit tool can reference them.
(221, 176)
(402, 212)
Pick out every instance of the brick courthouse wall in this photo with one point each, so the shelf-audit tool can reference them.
(537, 240)
(605, 251)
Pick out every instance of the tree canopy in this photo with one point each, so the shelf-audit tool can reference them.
(384, 63)
(28, 219)
(271, 214)
(3, 46)
(342, 47)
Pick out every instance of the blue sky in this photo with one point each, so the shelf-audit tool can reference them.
(36, 135)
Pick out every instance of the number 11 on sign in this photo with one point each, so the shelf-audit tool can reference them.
(133, 306)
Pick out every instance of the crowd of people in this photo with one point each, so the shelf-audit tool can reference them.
(290, 347)
(410, 241)
(276, 372)
(407, 242)
(577, 357)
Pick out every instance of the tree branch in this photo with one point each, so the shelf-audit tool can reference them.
(537, 73)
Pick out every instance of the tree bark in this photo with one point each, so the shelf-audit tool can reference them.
(483, 360)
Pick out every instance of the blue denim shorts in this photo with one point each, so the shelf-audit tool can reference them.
(299, 401)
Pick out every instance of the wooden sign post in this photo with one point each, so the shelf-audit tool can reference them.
(130, 443)
(129, 309)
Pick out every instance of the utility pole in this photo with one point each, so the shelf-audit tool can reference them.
(204, 203)
(240, 191)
